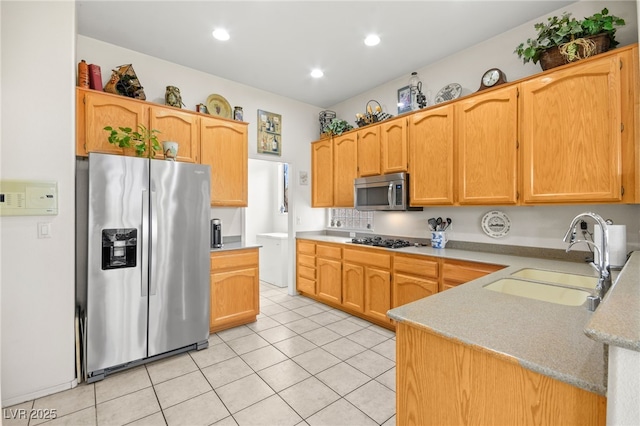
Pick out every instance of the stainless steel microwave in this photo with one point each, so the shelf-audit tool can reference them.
(387, 192)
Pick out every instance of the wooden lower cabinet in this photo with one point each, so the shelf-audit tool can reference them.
(329, 273)
(414, 277)
(441, 381)
(235, 287)
(306, 267)
(353, 287)
(456, 272)
(377, 293)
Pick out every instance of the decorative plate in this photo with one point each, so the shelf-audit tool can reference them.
(218, 105)
(496, 224)
(448, 92)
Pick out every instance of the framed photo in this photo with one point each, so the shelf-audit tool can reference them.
(269, 133)
(404, 99)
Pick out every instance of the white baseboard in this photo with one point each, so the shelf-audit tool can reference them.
(39, 394)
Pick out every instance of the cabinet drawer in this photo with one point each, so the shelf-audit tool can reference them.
(328, 251)
(306, 247)
(307, 260)
(368, 257)
(417, 266)
(234, 259)
(462, 272)
(306, 285)
(305, 271)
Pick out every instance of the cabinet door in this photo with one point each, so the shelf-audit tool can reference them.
(487, 135)
(456, 272)
(431, 166)
(329, 284)
(393, 134)
(377, 293)
(177, 126)
(322, 173)
(224, 147)
(407, 288)
(103, 110)
(345, 169)
(369, 151)
(571, 134)
(234, 296)
(353, 287)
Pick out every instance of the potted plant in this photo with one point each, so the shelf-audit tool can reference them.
(143, 141)
(337, 127)
(565, 39)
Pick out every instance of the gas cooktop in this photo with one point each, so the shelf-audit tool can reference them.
(380, 242)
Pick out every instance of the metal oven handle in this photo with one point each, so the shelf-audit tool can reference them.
(390, 194)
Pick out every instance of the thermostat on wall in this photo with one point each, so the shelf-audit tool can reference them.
(28, 198)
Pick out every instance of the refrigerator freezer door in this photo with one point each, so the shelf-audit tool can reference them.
(116, 289)
(179, 267)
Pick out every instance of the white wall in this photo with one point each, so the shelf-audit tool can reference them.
(299, 120)
(539, 226)
(38, 132)
(263, 199)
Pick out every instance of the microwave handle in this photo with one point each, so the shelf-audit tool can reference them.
(390, 194)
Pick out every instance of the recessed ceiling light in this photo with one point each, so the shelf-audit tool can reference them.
(372, 40)
(220, 34)
(316, 73)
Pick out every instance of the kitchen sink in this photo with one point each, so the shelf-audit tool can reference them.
(574, 280)
(539, 291)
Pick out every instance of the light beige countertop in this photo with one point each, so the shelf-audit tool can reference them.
(617, 319)
(544, 337)
(236, 245)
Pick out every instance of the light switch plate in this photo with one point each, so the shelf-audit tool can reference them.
(44, 229)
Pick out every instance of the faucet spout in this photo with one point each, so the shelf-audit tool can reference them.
(603, 266)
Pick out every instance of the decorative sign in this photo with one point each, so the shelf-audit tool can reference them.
(269, 133)
(496, 224)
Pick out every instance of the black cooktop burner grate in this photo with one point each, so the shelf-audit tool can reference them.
(380, 242)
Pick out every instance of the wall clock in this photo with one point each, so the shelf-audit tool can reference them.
(492, 78)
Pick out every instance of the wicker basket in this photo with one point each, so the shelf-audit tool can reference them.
(552, 58)
(373, 115)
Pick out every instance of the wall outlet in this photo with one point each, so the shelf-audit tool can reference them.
(298, 220)
(352, 234)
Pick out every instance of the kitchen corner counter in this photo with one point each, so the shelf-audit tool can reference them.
(616, 322)
(234, 246)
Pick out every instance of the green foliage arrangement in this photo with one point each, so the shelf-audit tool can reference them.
(565, 30)
(337, 127)
(143, 140)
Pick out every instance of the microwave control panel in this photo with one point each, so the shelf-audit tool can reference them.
(28, 198)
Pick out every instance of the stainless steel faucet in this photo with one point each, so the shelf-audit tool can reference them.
(603, 266)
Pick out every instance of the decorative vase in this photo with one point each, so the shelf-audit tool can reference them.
(172, 97)
(170, 150)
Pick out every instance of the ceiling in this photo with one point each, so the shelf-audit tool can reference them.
(274, 45)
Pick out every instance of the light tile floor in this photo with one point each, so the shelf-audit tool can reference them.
(300, 363)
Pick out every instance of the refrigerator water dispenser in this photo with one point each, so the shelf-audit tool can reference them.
(119, 248)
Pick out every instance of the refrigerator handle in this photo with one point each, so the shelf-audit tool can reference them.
(144, 248)
(153, 287)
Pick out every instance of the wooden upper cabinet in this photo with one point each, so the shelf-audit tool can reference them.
(487, 137)
(177, 126)
(571, 134)
(322, 173)
(345, 163)
(101, 110)
(223, 146)
(393, 137)
(369, 151)
(431, 152)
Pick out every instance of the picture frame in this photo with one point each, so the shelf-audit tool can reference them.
(269, 133)
(404, 99)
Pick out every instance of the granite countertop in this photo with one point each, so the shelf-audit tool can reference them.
(236, 245)
(543, 337)
(617, 320)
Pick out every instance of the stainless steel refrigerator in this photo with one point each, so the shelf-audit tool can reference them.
(147, 267)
